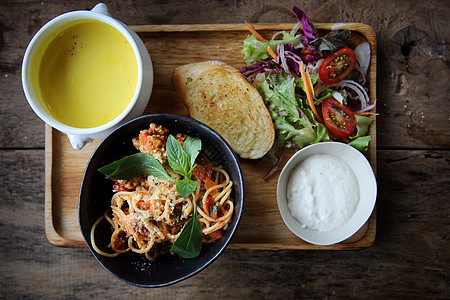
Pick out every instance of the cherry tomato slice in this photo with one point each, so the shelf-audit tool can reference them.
(337, 66)
(338, 118)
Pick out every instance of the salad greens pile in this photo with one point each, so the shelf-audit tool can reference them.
(277, 77)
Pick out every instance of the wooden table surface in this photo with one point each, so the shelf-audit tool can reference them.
(410, 257)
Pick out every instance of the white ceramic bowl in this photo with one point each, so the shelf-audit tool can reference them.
(367, 191)
(80, 136)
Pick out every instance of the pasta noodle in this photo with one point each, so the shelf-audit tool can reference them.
(147, 214)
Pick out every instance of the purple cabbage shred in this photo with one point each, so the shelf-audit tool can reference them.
(293, 144)
(308, 28)
(276, 166)
(293, 60)
(263, 66)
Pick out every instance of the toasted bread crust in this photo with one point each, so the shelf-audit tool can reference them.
(220, 97)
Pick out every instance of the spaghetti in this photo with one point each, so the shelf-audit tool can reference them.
(147, 214)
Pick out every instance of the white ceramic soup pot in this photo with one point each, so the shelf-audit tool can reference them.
(79, 137)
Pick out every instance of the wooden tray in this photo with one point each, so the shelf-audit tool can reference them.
(169, 46)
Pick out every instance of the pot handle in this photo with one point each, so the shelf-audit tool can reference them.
(79, 141)
(101, 8)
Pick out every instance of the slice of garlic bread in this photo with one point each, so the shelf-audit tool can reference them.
(220, 97)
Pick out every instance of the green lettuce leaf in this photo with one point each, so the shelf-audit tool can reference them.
(361, 143)
(294, 122)
(254, 49)
(332, 42)
(362, 126)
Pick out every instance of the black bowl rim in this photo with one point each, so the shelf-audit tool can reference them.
(239, 174)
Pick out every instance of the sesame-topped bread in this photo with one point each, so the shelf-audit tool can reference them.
(219, 96)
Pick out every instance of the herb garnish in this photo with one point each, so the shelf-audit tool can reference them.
(182, 161)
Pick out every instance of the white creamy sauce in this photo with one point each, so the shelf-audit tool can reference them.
(322, 192)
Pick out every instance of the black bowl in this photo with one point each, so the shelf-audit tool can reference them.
(96, 193)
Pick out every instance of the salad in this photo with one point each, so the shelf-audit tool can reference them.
(315, 88)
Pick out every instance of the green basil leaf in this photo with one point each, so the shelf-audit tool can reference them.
(192, 146)
(177, 157)
(185, 187)
(191, 171)
(112, 167)
(189, 242)
(133, 166)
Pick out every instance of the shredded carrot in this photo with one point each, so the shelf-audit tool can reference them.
(254, 32)
(272, 53)
(309, 82)
(364, 113)
(256, 81)
(309, 91)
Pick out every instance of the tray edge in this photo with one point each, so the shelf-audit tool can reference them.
(52, 234)
(368, 32)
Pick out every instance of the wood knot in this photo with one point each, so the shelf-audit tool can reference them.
(407, 47)
(407, 39)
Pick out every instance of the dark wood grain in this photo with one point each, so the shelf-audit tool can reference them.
(410, 258)
(412, 55)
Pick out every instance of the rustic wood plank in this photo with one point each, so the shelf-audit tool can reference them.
(409, 258)
(414, 78)
(410, 77)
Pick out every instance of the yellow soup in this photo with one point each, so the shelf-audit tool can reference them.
(87, 74)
